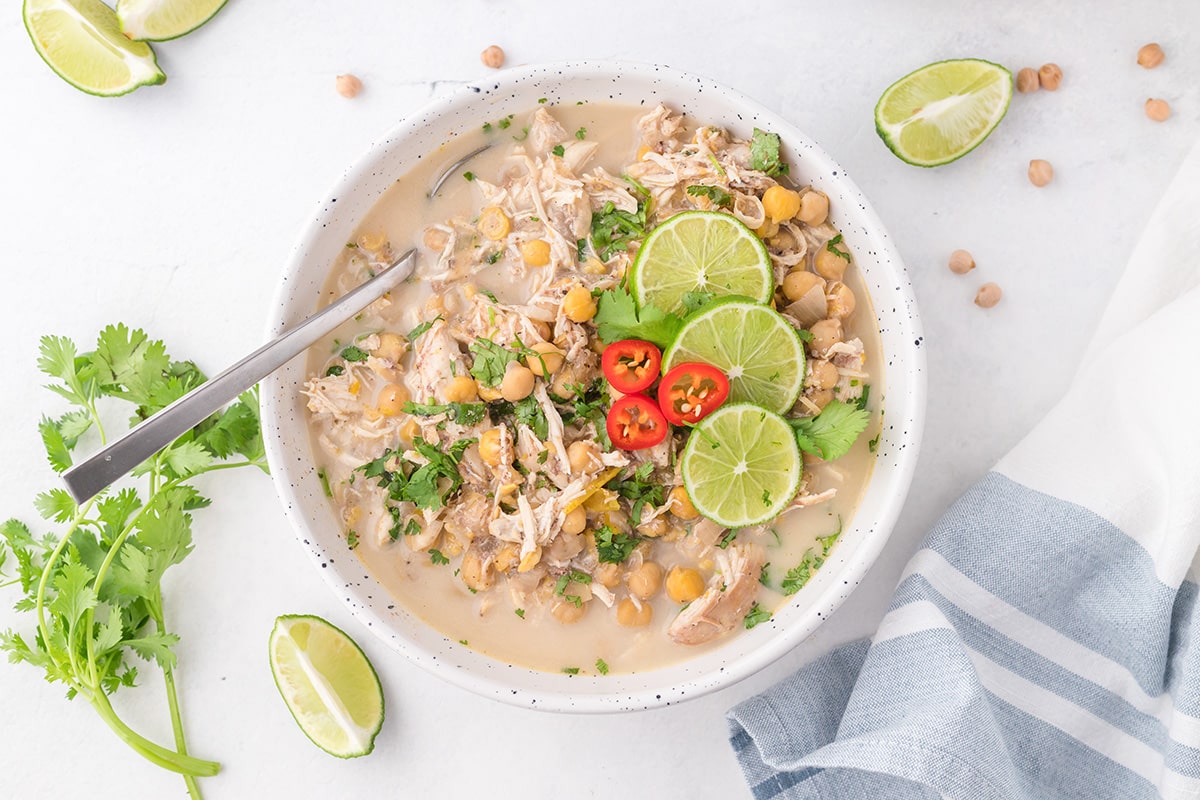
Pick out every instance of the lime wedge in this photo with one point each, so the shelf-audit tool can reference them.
(759, 351)
(944, 110)
(328, 684)
(159, 20)
(700, 251)
(81, 40)
(741, 465)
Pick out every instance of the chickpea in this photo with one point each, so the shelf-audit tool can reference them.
(391, 400)
(1158, 110)
(961, 262)
(1040, 172)
(348, 85)
(549, 359)
(575, 521)
(630, 616)
(654, 528)
(474, 573)
(684, 584)
(561, 385)
(829, 265)
(681, 505)
(492, 57)
(826, 333)
(1050, 76)
(392, 347)
(1151, 55)
(494, 223)
(988, 295)
(780, 203)
(582, 455)
(489, 447)
(839, 300)
(409, 429)
(822, 374)
(536, 252)
(578, 304)
(460, 389)
(767, 229)
(372, 241)
(567, 612)
(517, 383)
(506, 558)
(800, 282)
(821, 397)
(814, 208)
(645, 581)
(435, 239)
(784, 240)
(488, 394)
(1028, 81)
(607, 575)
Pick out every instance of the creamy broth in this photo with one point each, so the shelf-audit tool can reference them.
(491, 621)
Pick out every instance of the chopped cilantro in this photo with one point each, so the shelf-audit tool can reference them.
(412, 528)
(494, 256)
(805, 335)
(614, 230)
(614, 547)
(529, 412)
(427, 486)
(520, 612)
(581, 134)
(470, 176)
(716, 195)
(756, 615)
(504, 123)
(487, 127)
(800, 574)
(762, 575)
(524, 135)
(558, 150)
(437, 558)
(416, 332)
(864, 398)
(764, 153)
(462, 413)
(354, 353)
(830, 246)
(601, 666)
(638, 489)
(571, 670)
(336, 369)
(832, 432)
(541, 100)
(324, 478)
(351, 539)
(873, 445)
(491, 361)
(728, 538)
(618, 317)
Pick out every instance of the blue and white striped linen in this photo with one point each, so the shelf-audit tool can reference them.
(1043, 643)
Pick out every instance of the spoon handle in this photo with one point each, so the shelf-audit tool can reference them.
(88, 478)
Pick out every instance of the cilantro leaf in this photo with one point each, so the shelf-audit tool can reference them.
(764, 153)
(354, 353)
(55, 504)
(756, 615)
(416, 332)
(57, 452)
(129, 364)
(529, 412)
(613, 230)
(617, 317)
(601, 666)
(613, 546)
(462, 413)
(831, 433)
(491, 361)
(640, 490)
(830, 246)
(716, 195)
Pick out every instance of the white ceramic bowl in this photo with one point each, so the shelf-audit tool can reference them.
(517, 91)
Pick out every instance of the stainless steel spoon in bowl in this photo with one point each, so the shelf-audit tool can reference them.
(92, 476)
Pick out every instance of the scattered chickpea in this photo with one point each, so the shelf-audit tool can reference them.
(780, 203)
(800, 282)
(1050, 76)
(517, 383)
(654, 528)
(392, 347)
(826, 333)
(575, 521)
(492, 57)
(548, 360)
(681, 504)
(474, 572)
(822, 374)
(409, 429)
(1158, 110)
(567, 612)
(645, 581)
(536, 252)
(630, 616)
(460, 389)
(391, 400)
(830, 265)
(961, 262)
(435, 239)
(348, 85)
(988, 295)
(488, 394)
(1040, 172)
(684, 585)
(582, 455)
(578, 304)
(839, 300)
(607, 575)
(814, 208)
(494, 223)
(821, 397)
(1027, 80)
(1151, 55)
(489, 447)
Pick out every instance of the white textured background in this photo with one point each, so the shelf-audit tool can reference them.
(173, 209)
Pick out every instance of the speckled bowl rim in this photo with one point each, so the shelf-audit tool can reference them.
(317, 530)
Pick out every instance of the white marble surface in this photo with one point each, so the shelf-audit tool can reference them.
(173, 208)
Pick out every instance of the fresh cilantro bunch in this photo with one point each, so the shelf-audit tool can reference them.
(92, 587)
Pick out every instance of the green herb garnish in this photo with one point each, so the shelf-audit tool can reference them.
(800, 574)
(614, 547)
(831, 433)
(354, 353)
(764, 153)
(756, 615)
(618, 317)
(718, 196)
(831, 248)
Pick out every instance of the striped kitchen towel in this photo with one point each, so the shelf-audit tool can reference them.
(1043, 641)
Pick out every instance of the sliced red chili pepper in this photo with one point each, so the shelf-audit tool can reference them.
(634, 422)
(631, 365)
(691, 391)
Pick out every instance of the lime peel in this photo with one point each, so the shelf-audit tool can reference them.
(944, 110)
(161, 20)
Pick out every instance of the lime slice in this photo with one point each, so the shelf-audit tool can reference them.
(159, 20)
(328, 684)
(81, 40)
(701, 251)
(944, 110)
(741, 465)
(752, 344)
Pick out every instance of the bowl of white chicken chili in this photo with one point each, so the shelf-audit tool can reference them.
(644, 414)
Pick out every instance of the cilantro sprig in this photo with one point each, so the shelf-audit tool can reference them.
(93, 586)
(764, 153)
(618, 317)
(831, 433)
